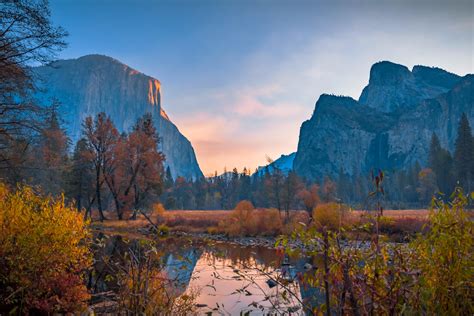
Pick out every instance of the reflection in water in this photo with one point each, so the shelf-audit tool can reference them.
(228, 279)
(230, 286)
(179, 267)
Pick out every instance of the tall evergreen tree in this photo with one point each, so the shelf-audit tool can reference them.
(464, 154)
(168, 181)
(291, 185)
(245, 185)
(80, 178)
(435, 148)
(441, 162)
(51, 155)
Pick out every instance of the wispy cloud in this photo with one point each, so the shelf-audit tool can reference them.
(258, 111)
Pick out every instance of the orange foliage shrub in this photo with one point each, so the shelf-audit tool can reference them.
(43, 252)
(158, 213)
(329, 215)
(240, 220)
(402, 225)
(245, 221)
(310, 197)
(295, 222)
(267, 222)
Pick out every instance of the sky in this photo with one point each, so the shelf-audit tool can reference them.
(239, 77)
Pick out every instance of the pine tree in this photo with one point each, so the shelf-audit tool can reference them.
(51, 155)
(435, 148)
(168, 182)
(441, 162)
(344, 187)
(464, 154)
(291, 185)
(80, 178)
(328, 190)
(245, 185)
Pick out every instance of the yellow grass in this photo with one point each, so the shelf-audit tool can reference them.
(402, 213)
(208, 220)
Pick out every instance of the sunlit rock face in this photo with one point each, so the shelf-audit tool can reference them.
(389, 127)
(95, 83)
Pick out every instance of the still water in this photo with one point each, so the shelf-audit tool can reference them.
(226, 278)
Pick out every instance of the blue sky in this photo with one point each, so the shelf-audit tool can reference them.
(239, 77)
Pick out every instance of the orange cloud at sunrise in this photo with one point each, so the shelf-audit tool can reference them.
(222, 142)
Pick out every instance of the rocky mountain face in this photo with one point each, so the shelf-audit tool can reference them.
(284, 164)
(391, 124)
(95, 83)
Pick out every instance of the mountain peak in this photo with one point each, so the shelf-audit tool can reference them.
(91, 59)
(388, 73)
(393, 87)
(96, 83)
(391, 127)
(330, 101)
(102, 61)
(98, 57)
(435, 76)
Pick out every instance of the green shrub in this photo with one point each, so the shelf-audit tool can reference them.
(430, 276)
(445, 259)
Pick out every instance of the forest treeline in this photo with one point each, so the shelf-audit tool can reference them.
(270, 187)
(125, 171)
(108, 170)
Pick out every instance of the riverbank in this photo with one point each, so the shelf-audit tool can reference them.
(398, 225)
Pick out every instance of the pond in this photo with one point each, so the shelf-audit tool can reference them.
(223, 278)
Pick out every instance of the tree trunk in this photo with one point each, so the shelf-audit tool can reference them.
(97, 193)
(117, 207)
(86, 213)
(79, 204)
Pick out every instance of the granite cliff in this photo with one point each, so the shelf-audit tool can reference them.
(391, 124)
(95, 83)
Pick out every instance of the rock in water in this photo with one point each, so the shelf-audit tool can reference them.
(389, 127)
(95, 83)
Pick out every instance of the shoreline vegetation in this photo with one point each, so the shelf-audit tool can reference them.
(352, 252)
(399, 225)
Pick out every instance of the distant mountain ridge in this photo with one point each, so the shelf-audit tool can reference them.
(284, 163)
(96, 83)
(391, 124)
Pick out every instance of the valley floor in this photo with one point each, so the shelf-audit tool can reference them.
(205, 223)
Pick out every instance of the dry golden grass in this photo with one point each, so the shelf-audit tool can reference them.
(197, 215)
(180, 220)
(401, 213)
(202, 221)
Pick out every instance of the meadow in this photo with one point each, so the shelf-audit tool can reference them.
(397, 223)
